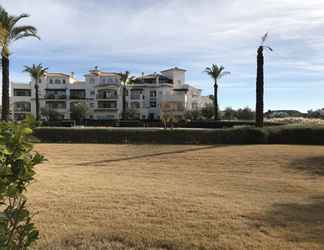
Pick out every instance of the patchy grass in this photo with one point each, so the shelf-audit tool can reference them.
(179, 197)
(299, 121)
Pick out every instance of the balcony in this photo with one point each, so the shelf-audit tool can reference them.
(77, 97)
(22, 107)
(106, 97)
(55, 97)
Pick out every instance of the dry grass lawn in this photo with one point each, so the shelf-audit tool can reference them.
(179, 197)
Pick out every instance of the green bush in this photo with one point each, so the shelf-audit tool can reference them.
(243, 135)
(237, 135)
(16, 173)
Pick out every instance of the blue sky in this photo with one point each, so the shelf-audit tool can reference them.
(151, 35)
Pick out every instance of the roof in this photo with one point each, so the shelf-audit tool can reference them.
(175, 68)
(101, 73)
(153, 77)
(56, 74)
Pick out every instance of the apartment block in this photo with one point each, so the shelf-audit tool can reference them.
(148, 98)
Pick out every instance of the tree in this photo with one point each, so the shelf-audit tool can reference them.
(17, 171)
(208, 111)
(245, 114)
(36, 73)
(260, 82)
(216, 73)
(229, 114)
(51, 114)
(79, 112)
(125, 79)
(10, 32)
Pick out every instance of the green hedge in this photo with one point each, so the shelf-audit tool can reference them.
(241, 135)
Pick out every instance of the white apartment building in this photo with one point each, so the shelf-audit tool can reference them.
(147, 98)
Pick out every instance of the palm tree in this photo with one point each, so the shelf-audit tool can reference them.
(36, 73)
(125, 79)
(260, 82)
(216, 73)
(10, 32)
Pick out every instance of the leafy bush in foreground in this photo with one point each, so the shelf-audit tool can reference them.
(16, 172)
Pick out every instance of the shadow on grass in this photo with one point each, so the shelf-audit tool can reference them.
(147, 156)
(85, 241)
(309, 165)
(295, 222)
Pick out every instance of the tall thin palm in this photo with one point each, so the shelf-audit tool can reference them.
(36, 72)
(125, 79)
(10, 32)
(260, 82)
(216, 73)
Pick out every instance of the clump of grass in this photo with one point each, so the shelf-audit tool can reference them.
(299, 121)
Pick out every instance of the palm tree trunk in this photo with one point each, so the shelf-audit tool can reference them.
(259, 88)
(37, 99)
(124, 103)
(216, 109)
(5, 87)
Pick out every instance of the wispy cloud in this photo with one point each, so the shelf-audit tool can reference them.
(148, 35)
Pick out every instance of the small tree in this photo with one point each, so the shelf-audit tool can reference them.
(216, 73)
(36, 72)
(229, 114)
(79, 112)
(16, 173)
(51, 114)
(208, 111)
(245, 114)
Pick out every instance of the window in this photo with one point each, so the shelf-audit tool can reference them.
(152, 104)
(55, 94)
(51, 81)
(57, 81)
(56, 105)
(107, 104)
(153, 93)
(63, 81)
(77, 94)
(135, 105)
(92, 105)
(135, 94)
(22, 107)
(91, 80)
(92, 92)
(22, 92)
(107, 94)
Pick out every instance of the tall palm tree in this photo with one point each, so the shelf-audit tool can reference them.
(36, 73)
(216, 73)
(10, 32)
(125, 79)
(260, 82)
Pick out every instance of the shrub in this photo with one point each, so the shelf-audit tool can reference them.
(79, 112)
(16, 172)
(208, 111)
(51, 114)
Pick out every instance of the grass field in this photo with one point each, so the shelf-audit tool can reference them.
(179, 197)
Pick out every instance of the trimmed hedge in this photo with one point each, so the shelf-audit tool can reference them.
(157, 124)
(240, 135)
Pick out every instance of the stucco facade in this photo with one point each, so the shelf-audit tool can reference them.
(102, 93)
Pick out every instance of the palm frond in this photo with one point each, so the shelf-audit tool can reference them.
(264, 38)
(268, 48)
(16, 19)
(216, 72)
(22, 32)
(35, 71)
